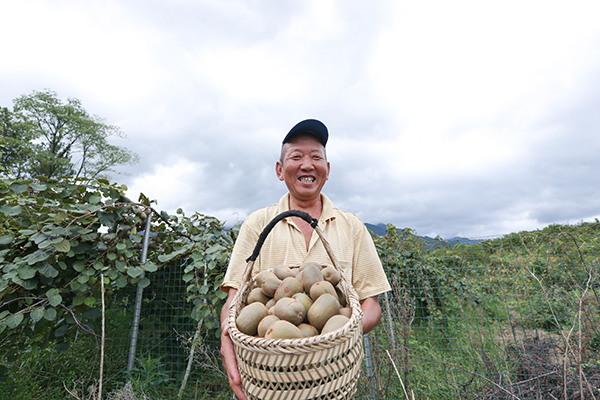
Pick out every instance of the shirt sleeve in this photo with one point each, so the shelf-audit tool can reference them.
(242, 249)
(368, 276)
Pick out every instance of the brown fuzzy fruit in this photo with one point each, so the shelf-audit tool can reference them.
(265, 323)
(262, 276)
(283, 330)
(257, 294)
(308, 330)
(283, 272)
(287, 288)
(289, 309)
(310, 275)
(249, 317)
(304, 299)
(335, 323)
(331, 274)
(270, 285)
(346, 311)
(325, 307)
(320, 288)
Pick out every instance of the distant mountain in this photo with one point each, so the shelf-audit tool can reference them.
(380, 229)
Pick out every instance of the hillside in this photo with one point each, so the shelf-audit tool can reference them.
(380, 229)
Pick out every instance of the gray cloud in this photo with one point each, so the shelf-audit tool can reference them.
(441, 120)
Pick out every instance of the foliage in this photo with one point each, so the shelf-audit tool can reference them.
(431, 281)
(56, 238)
(15, 145)
(49, 138)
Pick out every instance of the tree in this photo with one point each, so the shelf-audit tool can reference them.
(50, 138)
(14, 145)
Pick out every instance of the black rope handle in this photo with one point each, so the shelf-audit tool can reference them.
(263, 236)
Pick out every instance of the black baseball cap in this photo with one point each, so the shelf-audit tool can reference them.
(311, 126)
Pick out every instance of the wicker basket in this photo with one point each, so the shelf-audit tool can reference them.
(326, 366)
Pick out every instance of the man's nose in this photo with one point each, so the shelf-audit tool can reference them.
(307, 163)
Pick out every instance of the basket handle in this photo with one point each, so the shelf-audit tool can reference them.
(263, 236)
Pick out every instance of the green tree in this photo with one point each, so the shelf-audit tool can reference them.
(51, 138)
(15, 146)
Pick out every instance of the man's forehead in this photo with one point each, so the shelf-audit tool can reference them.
(315, 147)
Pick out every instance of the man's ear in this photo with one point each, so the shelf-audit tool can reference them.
(279, 170)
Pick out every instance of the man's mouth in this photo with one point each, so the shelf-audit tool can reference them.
(307, 179)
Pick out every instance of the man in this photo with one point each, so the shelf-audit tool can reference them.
(304, 168)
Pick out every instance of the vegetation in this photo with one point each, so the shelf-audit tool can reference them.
(48, 138)
(57, 241)
(513, 317)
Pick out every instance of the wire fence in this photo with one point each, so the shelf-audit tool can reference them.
(516, 317)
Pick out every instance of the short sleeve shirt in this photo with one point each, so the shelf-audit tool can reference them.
(348, 237)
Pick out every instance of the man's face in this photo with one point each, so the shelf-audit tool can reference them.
(305, 169)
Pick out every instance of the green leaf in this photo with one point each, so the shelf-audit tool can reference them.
(26, 272)
(120, 265)
(121, 246)
(163, 258)
(49, 271)
(39, 238)
(95, 199)
(64, 246)
(75, 286)
(214, 248)
(18, 187)
(60, 217)
(6, 239)
(188, 277)
(50, 314)
(61, 330)
(121, 282)
(36, 257)
(150, 266)
(78, 266)
(37, 314)
(144, 282)
(55, 300)
(13, 320)
(78, 300)
(45, 244)
(90, 301)
(11, 210)
(38, 186)
(134, 272)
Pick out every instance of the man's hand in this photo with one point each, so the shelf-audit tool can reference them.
(227, 351)
(371, 313)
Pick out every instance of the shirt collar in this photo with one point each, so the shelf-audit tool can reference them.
(326, 214)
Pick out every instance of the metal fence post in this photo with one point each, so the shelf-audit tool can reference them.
(138, 300)
(390, 320)
(369, 361)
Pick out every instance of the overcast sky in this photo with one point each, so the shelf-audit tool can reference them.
(470, 118)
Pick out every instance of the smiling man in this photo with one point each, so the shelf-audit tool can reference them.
(304, 168)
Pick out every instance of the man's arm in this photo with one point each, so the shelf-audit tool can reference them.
(227, 351)
(371, 313)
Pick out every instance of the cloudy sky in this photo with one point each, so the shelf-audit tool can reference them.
(471, 118)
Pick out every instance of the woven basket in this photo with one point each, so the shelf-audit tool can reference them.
(326, 366)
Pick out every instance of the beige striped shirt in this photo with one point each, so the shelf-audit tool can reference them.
(349, 238)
